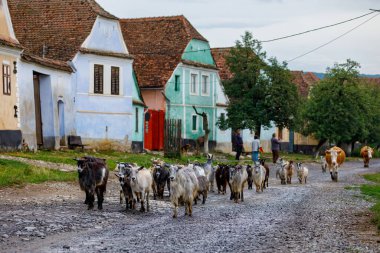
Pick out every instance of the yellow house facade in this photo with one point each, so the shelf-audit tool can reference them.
(10, 50)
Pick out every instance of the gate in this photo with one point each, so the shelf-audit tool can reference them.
(172, 143)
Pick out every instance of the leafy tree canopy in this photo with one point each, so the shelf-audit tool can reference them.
(341, 108)
(261, 90)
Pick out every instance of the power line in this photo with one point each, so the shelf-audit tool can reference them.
(331, 41)
(319, 28)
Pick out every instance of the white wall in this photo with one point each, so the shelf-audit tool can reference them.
(59, 88)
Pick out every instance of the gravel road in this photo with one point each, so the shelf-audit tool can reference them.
(320, 216)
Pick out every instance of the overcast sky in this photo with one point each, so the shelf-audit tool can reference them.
(222, 22)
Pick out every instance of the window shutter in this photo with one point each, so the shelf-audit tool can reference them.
(115, 80)
(98, 78)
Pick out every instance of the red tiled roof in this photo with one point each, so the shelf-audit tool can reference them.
(60, 25)
(157, 43)
(219, 55)
(9, 42)
(55, 64)
(373, 80)
(199, 65)
(304, 81)
(105, 53)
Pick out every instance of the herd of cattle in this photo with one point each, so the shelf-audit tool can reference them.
(186, 184)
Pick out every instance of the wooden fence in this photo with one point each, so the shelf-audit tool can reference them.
(172, 142)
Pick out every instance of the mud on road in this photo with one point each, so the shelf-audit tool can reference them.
(320, 216)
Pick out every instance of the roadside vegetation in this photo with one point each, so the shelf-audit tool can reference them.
(16, 173)
(373, 190)
(112, 157)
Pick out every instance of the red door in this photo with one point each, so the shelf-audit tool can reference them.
(154, 130)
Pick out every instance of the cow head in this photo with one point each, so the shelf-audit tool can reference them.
(235, 171)
(173, 172)
(370, 152)
(334, 157)
(257, 168)
(124, 171)
(210, 157)
(135, 171)
(299, 166)
(262, 161)
(80, 164)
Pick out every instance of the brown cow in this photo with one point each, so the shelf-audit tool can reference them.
(335, 157)
(366, 152)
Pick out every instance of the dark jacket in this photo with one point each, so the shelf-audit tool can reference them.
(239, 142)
(275, 144)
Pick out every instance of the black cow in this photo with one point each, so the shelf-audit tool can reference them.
(222, 177)
(161, 176)
(93, 176)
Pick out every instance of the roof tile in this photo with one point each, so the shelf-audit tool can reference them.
(157, 43)
(60, 26)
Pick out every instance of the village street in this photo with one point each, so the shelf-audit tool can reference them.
(321, 216)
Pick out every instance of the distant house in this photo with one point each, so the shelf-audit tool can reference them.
(290, 141)
(10, 50)
(175, 70)
(79, 69)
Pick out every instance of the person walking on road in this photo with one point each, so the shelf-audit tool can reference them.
(255, 149)
(239, 145)
(275, 148)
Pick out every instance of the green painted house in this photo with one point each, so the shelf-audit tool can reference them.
(175, 70)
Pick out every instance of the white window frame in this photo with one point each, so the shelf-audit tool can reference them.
(107, 65)
(196, 83)
(207, 85)
(196, 123)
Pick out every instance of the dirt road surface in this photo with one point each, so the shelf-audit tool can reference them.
(320, 216)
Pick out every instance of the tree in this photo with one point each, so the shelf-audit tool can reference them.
(205, 127)
(260, 91)
(340, 110)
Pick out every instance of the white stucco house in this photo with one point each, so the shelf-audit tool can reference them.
(76, 76)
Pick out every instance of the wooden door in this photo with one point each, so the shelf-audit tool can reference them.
(37, 104)
(154, 130)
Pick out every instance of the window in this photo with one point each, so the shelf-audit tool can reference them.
(98, 78)
(194, 121)
(6, 79)
(193, 88)
(115, 80)
(137, 121)
(205, 85)
(279, 133)
(176, 83)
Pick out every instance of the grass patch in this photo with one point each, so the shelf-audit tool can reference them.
(112, 157)
(17, 173)
(373, 190)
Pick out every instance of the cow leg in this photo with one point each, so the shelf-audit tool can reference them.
(91, 199)
(190, 209)
(100, 196)
(121, 197)
(142, 208)
(204, 197)
(175, 207)
(168, 185)
(242, 193)
(87, 200)
(147, 201)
